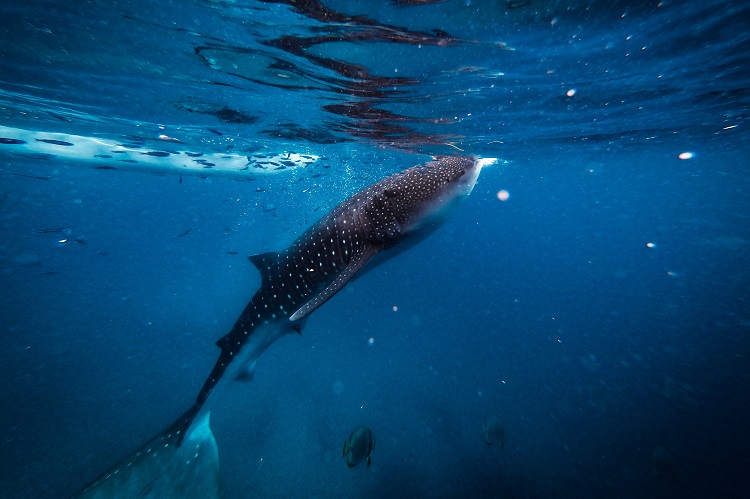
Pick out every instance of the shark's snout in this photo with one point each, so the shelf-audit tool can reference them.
(471, 172)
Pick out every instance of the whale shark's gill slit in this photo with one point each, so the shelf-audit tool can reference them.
(308, 273)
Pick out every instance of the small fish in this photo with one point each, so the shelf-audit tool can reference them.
(134, 139)
(56, 142)
(58, 116)
(167, 138)
(53, 230)
(27, 175)
(41, 156)
(493, 431)
(185, 233)
(6, 140)
(359, 446)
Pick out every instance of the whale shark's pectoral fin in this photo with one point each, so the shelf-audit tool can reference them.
(247, 373)
(355, 264)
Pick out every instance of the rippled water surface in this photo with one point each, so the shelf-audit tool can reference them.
(590, 297)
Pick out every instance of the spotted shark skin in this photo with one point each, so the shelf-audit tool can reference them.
(402, 208)
(301, 278)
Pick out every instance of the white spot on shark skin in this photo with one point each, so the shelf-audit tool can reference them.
(111, 154)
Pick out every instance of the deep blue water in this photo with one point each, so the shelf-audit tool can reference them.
(601, 312)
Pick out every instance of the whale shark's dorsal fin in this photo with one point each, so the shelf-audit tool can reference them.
(263, 262)
(345, 276)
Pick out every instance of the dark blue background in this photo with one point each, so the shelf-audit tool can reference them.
(548, 310)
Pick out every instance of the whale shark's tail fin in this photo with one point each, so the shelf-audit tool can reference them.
(168, 466)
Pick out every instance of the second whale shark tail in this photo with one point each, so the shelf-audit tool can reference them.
(168, 466)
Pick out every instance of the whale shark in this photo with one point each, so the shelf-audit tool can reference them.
(397, 211)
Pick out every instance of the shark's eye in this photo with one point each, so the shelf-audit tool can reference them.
(390, 193)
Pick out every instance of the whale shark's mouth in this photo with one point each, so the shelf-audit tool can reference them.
(133, 154)
(482, 162)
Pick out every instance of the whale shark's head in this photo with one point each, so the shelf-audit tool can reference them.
(422, 196)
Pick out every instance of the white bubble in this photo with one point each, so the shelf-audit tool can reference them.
(685, 155)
